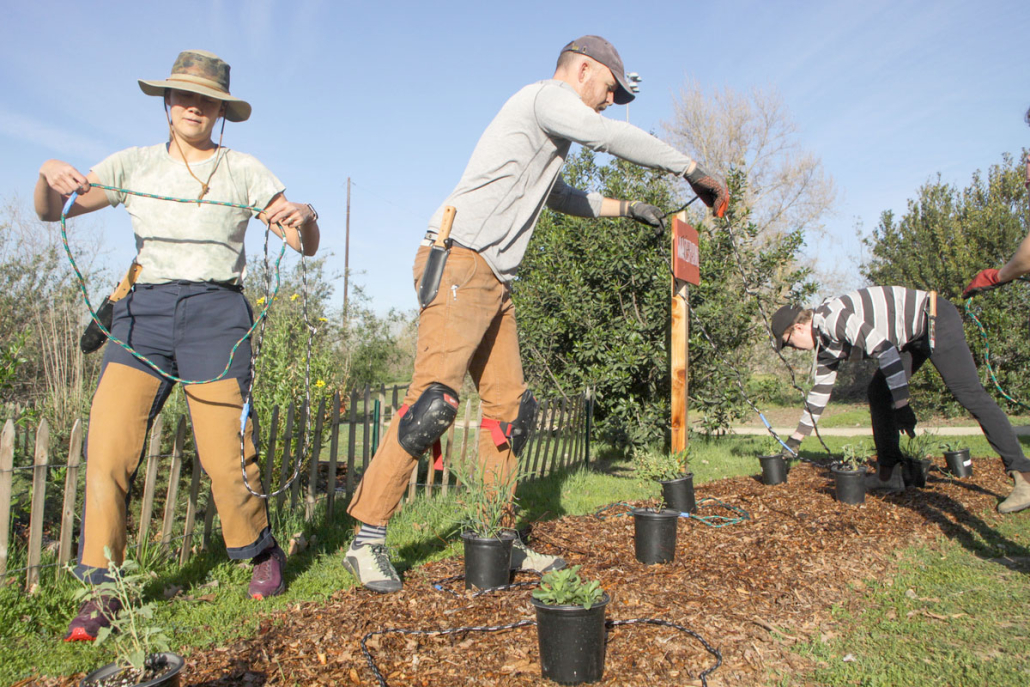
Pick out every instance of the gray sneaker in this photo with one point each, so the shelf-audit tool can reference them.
(525, 558)
(371, 565)
(894, 484)
(1020, 496)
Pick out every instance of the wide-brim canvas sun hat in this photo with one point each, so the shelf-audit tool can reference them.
(203, 72)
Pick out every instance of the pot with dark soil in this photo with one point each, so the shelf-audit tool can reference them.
(487, 560)
(849, 484)
(484, 509)
(774, 469)
(678, 493)
(159, 670)
(654, 535)
(915, 465)
(849, 474)
(670, 471)
(570, 616)
(959, 463)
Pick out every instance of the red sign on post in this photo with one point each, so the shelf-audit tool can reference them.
(686, 256)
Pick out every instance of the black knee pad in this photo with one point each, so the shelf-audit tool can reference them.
(427, 418)
(519, 429)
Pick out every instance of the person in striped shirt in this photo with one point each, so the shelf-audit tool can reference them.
(889, 323)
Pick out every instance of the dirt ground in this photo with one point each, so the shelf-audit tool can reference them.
(799, 553)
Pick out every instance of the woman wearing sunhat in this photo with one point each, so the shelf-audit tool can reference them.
(184, 314)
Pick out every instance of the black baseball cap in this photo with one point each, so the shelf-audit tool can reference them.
(782, 319)
(604, 52)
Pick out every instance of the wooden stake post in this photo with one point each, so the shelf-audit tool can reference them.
(686, 270)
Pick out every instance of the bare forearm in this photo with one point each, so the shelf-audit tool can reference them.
(47, 201)
(1018, 265)
(610, 207)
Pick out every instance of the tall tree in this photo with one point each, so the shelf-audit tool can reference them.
(787, 189)
(593, 304)
(946, 236)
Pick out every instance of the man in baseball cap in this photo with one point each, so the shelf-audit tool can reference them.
(469, 325)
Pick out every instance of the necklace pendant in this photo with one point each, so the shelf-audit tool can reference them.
(203, 191)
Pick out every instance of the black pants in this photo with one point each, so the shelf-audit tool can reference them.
(955, 364)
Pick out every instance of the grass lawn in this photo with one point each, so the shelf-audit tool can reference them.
(950, 615)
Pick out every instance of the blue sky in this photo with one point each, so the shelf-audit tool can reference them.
(395, 94)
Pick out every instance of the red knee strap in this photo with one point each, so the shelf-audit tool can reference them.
(500, 432)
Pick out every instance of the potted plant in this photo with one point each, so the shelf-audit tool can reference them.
(669, 470)
(485, 511)
(849, 473)
(774, 467)
(915, 464)
(654, 534)
(958, 460)
(570, 615)
(141, 647)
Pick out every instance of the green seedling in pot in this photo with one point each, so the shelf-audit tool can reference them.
(951, 447)
(919, 446)
(486, 507)
(659, 466)
(135, 636)
(854, 456)
(770, 446)
(566, 588)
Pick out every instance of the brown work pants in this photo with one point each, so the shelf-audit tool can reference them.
(469, 326)
(188, 329)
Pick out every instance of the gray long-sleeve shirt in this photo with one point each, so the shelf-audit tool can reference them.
(516, 168)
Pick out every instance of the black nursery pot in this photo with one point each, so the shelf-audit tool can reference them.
(959, 463)
(173, 664)
(914, 472)
(850, 485)
(774, 469)
(487, 560)
(654, 535)
(679, 493)
(571, 641)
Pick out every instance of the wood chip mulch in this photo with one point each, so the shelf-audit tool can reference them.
(752, 589)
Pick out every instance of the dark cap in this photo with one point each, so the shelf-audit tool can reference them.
(782, 319)
(604, 52)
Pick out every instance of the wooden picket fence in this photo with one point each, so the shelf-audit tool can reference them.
(343, 448)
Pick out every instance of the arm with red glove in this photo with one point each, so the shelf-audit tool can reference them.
(992, 278)
(711, 191)
(1018, 266)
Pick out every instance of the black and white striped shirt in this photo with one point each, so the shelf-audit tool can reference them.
(874, 322)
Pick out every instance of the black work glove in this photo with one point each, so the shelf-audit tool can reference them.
(905, 419)
(645, 214)
(792, 448)
(710, 190)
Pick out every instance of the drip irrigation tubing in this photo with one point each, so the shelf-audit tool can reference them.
(92, 313)
(709, 520)
(270, 296)
(717, 520)
(702, 676)
(468, 594)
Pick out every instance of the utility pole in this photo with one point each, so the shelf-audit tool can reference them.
(346, 260)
